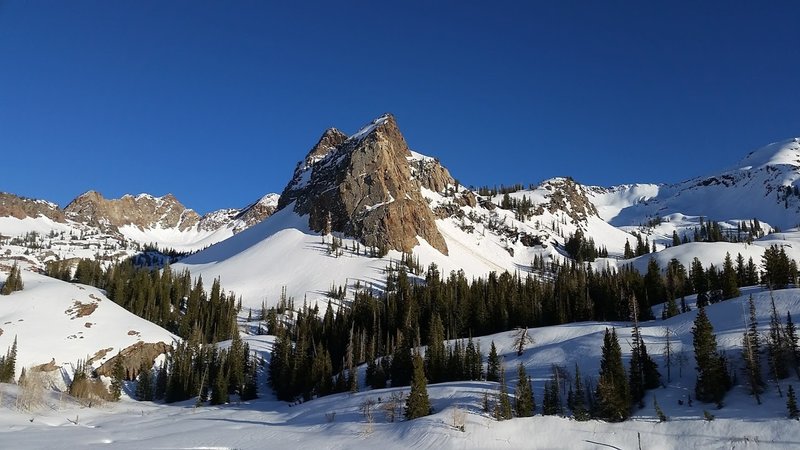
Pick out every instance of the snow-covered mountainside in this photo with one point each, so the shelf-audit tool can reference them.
(763, 185)
(333, 215)
(92, 226)
(458, 419)
(57, 323)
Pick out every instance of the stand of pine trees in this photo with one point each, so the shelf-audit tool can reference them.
(8, 364)
(161, 296)
(13, 282)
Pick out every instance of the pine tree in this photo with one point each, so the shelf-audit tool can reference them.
(612, 394)
(435, 355)
(144, 386)
(117, 378)
(712, 379)
(777, 347)
(792, 344)
(751, 350)
(503, 407)
(13, 281)
(579, 410)
(8, 364)
(523, 405)
(417, 403)
(791, 404)
(493, 365)
(730, 285)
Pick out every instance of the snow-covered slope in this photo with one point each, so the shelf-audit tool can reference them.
(763, 185)
(59, 322)
(337, 421)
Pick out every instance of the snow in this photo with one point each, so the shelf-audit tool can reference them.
(43, 318)
(367, 129)
(336, 421)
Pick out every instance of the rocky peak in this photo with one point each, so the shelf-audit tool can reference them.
(21, 207)
(256, 212)
(364, 186)
(143, 211)
(568, 196)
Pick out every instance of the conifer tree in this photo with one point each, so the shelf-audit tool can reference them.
(793, 350)
(493, 365)
(523, 406)
(579, 410)
(712, 378)
(435, 355)
(144, 386)
(751, 351)
(730, 285)
(503, 407)
(402, 361)
(791, 404)
(612, 394)
(417, 403)
(13, 281)
(777, 347)
(117, 377)
(8, 364)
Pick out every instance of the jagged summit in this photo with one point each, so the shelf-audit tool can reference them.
(363, 186)
(143, 211)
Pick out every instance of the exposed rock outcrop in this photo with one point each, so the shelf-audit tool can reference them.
(363, 186)
(133, 357)
(143, 211)
(20, 207)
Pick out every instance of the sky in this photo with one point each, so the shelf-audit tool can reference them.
(216, 102)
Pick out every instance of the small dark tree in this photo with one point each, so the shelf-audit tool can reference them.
(503, 407)
(493, 365)
(417, 403)
(712, 378)
(524, 395)
(791, 404)
(612, 395)
(117, 377)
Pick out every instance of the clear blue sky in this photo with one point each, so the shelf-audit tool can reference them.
(216, 101)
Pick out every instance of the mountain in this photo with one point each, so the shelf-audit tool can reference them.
(370, 190)
(762, 185)
(57, 323)
(91, 225)
(363, 187)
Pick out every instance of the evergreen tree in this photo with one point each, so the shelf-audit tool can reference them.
(793, 350)
(612, 394)
(435, 355)
(730, 284)
(417, 403)
(777, 347)
(791, 404)
(117, 378)
(503, 407)
(8, 364)
(144, 385)
(493, 365)
(579, 410)
(751, 351)
(523, 406)
(712, 379)
(402, 361)
(13, 281)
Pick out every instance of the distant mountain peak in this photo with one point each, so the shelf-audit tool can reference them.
(785, 152)
(363, 186)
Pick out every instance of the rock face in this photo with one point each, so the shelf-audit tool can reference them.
(133, 357)
(570, 197)
(368, 186)
(143, 211)
(20, 207)
(256, 212)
